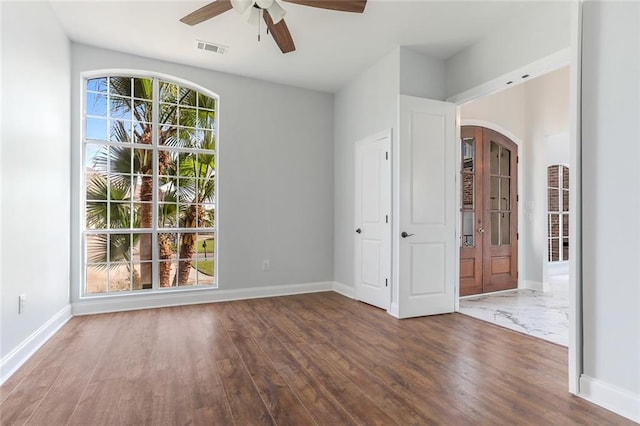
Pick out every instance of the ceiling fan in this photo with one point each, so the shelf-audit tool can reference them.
(254, 10)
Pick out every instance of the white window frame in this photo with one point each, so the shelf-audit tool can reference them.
(154, 230)
(560, 213)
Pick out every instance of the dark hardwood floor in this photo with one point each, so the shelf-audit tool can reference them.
(298, 360)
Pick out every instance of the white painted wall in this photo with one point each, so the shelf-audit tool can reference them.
(533, 113)
(546, 115)
(366, 106)
(34, 172)
(611, 202)
(513, 45)
(421, 75)
(276, 173)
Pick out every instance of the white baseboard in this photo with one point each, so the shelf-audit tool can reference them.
(535, 285)
(99, 305)
(612, 398)
(394, 310)
(18, 356)
(344, 290)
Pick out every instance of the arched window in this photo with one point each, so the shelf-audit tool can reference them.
(558, 212)
(149, 149)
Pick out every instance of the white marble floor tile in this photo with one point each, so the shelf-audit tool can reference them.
(543, 315)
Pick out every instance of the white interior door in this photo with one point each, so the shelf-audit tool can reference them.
(427, 199)
(372, 220)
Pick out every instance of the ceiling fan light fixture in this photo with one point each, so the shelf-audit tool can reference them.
(241, 6)
(276, 12)
(263, 4)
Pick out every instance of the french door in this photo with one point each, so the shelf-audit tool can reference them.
(488, 246)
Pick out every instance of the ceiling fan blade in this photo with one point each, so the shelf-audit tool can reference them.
(207, 12)
(280, 33)
(355, 6)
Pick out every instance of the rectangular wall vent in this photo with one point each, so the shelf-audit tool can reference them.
(211, 47)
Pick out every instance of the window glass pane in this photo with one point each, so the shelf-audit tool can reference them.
(467, 191)
(205, 102)
(554, 252)
(565, 249)
(505, 162)
(142, 133)
(565, 177)
(120, 160)
(494, 158)
(565, 225)
(96, 104)
(120, 130)
(505, 229)
(96, 278)
(187, 97)
(494, 192)
(187, 117)
(565, 200)
(96, 246)
(468, 229)
(96, 213)
(120, 277)
(143, 88)
(168, 114)
(554, 225)
(97, 84)
(204, 258)
(552, 176)
(96, 129)
(120, 86)
(143, 111)
(554, 202)
(120, 107)
(168, 92)
(120, 215)
(505, 194)
(468, 154)
(495, 228)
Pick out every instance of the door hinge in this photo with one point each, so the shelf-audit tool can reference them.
(386, 155)
(517, 235)
(517, 198)
(386, 218)
(386, 282)
(517, 159)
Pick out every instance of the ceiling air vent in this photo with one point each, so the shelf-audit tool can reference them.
(211, 47)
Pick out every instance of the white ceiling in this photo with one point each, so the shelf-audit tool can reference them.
(332, 47)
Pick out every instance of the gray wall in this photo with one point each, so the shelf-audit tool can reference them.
(34, 170)
(611, 198)
(275, 171)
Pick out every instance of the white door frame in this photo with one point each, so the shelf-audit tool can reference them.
(572, 57)
(386, 270)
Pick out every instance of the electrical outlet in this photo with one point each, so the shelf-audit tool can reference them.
(265, 265)
(22, 300)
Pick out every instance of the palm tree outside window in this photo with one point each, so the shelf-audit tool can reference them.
(149, 185)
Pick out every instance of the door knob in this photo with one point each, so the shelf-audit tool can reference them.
(480, 230)
(405, 235)
(359, 231)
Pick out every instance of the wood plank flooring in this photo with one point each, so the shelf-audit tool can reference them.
(299, 360)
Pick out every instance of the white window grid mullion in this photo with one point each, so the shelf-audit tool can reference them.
(155, 120)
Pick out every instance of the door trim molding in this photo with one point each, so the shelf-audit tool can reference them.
(384, 134)
(569, 56)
